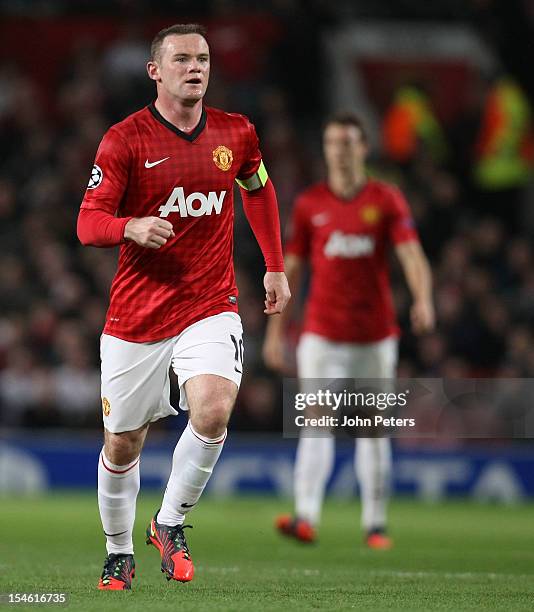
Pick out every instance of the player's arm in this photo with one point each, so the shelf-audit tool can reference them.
(419, 279)
(403, 235)
(98, 224)
(261, 209)
(274, 341)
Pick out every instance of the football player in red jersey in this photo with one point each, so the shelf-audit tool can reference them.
(343, 228)
(162, 189)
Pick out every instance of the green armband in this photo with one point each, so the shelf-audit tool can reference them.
(257, 180)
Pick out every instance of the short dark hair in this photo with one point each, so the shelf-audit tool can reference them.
(177, 28)
(347, 118)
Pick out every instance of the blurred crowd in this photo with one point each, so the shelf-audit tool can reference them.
(53, 292)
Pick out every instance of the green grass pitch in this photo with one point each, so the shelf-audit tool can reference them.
(455, 556)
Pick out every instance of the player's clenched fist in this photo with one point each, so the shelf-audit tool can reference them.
(422, 316)
(277, 292)
(149, 232)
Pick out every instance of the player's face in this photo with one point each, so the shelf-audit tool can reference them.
(183, 67)
(344, 147)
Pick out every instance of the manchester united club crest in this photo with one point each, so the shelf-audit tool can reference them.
(371, 214)
(223, 158)
(106, 406)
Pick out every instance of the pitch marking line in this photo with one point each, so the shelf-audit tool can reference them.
(218, 570)
(452, 575)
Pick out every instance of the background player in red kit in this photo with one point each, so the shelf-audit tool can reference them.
(344, 228)
(162, 188)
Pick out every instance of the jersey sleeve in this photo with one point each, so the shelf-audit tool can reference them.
(109, 176)
(261, 210)
(252, 173)
(298, 235)
(401, 224)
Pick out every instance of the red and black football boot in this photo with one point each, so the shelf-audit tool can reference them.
(176, 560)
(378, 539)
(117, 573)
(293, 527)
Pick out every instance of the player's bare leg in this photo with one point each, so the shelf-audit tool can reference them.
(124, 447)
(118, 486)
(211, 400)
(373, 470)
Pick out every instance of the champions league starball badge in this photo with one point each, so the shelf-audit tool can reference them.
(96, 177)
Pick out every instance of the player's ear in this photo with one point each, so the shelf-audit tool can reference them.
(153, 70)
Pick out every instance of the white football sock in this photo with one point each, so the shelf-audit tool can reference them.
(118, 486)
(192, 464)
(313, 465)
(373, 470)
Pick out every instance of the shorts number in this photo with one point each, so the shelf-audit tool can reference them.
(238, 354)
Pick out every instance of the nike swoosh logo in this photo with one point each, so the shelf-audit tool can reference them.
(187, 505)
(152, 164)
(111, 535)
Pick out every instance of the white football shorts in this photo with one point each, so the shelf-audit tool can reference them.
(135, 375)
(318, 357)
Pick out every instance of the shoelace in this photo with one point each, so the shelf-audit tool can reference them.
(179, 537)
(113, 565)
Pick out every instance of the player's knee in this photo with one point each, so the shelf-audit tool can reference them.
(212, 421)
(123, 448)
(211, 400)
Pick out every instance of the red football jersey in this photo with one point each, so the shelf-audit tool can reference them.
(146, 167)
(346, 243)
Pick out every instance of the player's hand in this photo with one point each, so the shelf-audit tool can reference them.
(149, 232)
(273, 351)
(422, 316)
(277, 292)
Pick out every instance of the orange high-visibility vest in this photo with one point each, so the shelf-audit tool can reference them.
(409, 121)
(504, 151)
